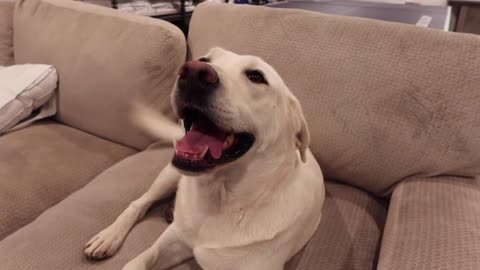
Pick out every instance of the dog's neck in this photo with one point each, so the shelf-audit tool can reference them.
(247, 181)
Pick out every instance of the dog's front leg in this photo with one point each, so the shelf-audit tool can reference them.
(166, 252)
(108, 241)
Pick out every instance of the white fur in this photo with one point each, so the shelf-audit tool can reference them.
(253, 213)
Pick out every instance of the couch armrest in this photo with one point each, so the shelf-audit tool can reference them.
(433, 224)
(6, 32)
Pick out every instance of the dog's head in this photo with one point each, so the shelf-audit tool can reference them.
(232, 105)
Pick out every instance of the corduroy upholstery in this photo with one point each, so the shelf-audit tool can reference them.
(379, 97)
(349, 234)
(42, 164)
(106, 61)
(433, 223)
(56, 238)
(6, 32)
(348, 237)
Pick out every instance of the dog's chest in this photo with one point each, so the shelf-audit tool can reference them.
(202, 218)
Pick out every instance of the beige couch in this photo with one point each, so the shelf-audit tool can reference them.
(393, 111)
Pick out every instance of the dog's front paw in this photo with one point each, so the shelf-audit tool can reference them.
(105, 244)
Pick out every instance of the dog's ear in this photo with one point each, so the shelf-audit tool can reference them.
(302, 134)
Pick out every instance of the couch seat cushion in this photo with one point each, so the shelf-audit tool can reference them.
(42, 164)
(348, 237)
(349, 234)
(433, 223)
(55, 240)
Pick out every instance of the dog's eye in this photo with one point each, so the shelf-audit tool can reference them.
(256, 76)
(204, 59)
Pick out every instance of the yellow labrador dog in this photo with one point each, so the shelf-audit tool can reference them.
(249, 191)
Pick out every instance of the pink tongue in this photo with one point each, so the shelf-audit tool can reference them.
(197, 139)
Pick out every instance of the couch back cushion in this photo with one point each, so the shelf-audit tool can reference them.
(106, 62)
(6, 32)
(384, 101)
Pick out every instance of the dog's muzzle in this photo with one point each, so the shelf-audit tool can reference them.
(206, 144)
(197, 81)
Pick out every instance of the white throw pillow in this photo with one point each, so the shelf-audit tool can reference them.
(23, 90)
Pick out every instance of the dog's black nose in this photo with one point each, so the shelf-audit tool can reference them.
(198, 75)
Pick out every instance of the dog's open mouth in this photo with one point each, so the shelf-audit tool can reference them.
(206, 145)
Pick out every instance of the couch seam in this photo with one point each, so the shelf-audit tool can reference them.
(391, 227)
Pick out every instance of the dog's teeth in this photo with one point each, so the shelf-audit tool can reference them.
(187, 155)
(195, 156)
(202, 155)
(228, 141)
